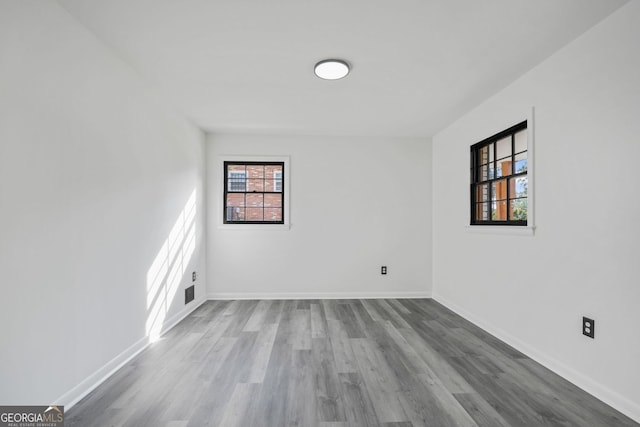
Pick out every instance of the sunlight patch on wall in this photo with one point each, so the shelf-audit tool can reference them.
(169, 267)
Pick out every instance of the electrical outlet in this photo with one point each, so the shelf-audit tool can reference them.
(383, 269)
(193, 276)
(588, 327)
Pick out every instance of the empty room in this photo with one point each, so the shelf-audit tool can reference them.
(319, 213)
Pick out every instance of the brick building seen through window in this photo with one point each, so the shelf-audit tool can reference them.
(254, 192)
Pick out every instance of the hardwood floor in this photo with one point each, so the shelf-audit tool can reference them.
(331, 363)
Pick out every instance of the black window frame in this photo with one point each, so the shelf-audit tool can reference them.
(477, 181)
(226, 191)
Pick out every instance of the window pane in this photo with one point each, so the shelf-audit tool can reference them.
(255, 171)
(504, 167)
(255, 184)
(235, 200)
(518, 187)
(521, 162)
(271, 169)
(273, 176)
(499, 190)
(273, 181)
(499, 210)
(277, 181)
(503, 148)
(518, 209)
(255, 214)
(490, 147)
(255, 200)
(484, 155)
(273, 214)
(236, 180)
(235, 213)
(482, 193)
(273, 200)
(483, 173)
(521, 141)
(482, 211)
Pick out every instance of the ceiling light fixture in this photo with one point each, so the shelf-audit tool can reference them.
(332, 69)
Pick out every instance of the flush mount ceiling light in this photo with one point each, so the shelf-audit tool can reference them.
(332, 69)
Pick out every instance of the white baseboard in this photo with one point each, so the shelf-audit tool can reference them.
(73, 396)
(608, 396)
(78, 392)
(179, 316)
(315, 295)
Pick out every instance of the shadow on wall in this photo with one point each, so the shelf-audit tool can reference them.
(168, 268)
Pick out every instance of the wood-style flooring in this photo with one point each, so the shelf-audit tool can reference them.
(408, 362)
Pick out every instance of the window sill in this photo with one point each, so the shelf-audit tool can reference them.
(505, 230)
(254, 227)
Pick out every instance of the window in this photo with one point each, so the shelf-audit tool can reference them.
(277, 180)
(237, 180)
(499, 181)
(253, 192)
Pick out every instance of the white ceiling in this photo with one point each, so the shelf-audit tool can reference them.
(246, 66)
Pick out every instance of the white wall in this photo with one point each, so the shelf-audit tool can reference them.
(583, 259)
(94, 174)
(356, 204)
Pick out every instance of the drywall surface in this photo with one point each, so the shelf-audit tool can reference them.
(583, 258)
(101, 205)
(356, 204)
